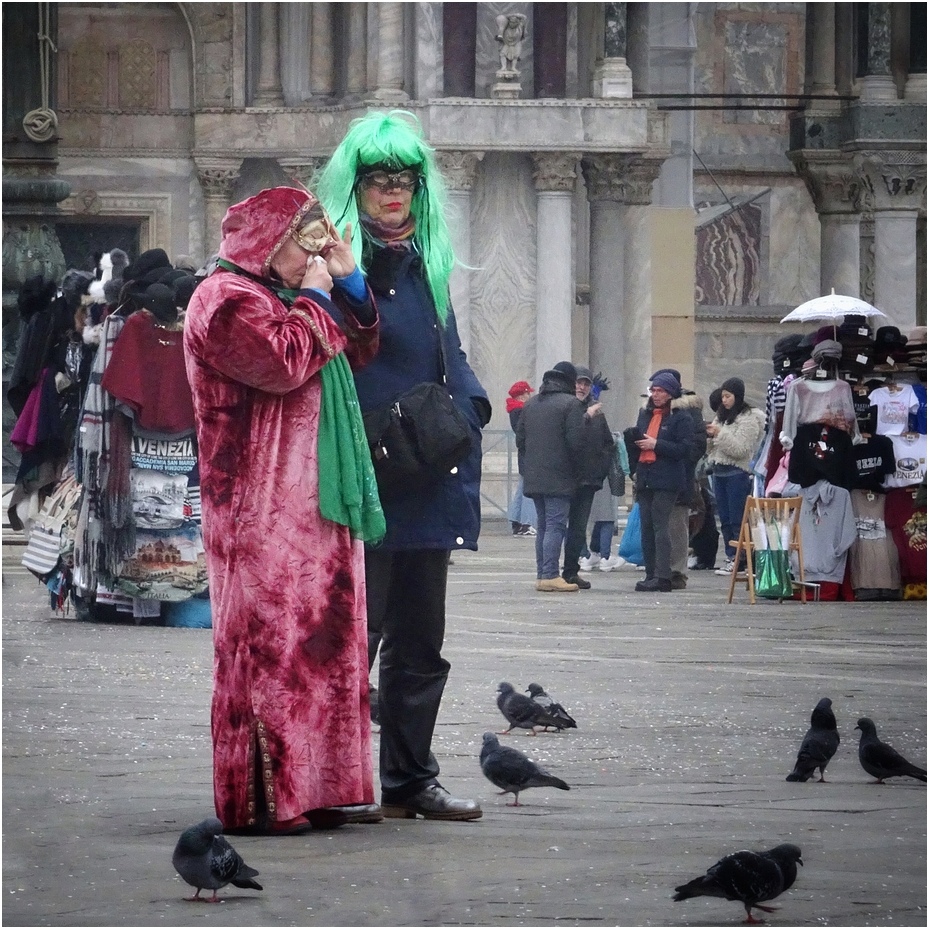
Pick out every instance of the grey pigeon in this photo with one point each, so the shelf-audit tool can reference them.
(561, 716)
(512, 771)
(205, 859)
(749, 877)
(879, 759)
(818, 745)
(520, 711)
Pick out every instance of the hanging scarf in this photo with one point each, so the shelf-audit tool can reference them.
(389, 235)
(648, 455)
(347, 486)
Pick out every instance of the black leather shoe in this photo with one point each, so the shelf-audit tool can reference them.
(361, 812)
(654, 585)
(581, 582)
(432, 802)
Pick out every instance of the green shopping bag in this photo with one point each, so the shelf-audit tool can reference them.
(772, 570)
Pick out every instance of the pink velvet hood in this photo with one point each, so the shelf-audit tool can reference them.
(255, 229)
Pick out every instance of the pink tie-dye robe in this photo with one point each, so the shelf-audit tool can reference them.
(290, 718)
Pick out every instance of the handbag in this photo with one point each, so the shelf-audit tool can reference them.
(772, 570)
(615, 476)
(45, 543)
(417, 439)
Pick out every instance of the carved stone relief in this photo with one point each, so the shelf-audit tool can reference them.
(555, 170)
(459, 168)
(895, 179)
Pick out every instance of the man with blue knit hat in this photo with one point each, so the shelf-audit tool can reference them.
(662, 436)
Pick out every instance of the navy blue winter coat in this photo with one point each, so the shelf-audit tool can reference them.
(447, 514)
(669, 470)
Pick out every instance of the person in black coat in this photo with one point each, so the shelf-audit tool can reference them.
(663, 440)
(550, 442)
(592, 466)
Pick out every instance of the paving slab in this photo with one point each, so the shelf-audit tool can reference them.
(690, 712)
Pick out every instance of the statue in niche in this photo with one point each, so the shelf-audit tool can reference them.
(511, 32)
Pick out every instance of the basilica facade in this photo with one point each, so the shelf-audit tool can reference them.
(633, 185)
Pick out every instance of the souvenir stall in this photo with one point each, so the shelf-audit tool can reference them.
(128, 519)
(853, 431)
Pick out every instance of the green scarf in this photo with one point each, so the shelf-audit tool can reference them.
(347, 486)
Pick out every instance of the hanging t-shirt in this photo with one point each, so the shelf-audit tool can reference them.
(873, 462)
(875, 564)
(894, 405)
(822, 453)
(906, 522)
(918, 418)
(909, 460)
(864, 412)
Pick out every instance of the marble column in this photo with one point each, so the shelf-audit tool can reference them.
(356, 59)
(878, 84)
(390, 46)
(555, 177)
(612, 76)
(897, 182)
(459, 170)
(619, 188)
(836, 192)
(217, 177)
(269, 91)
(823, 64)
(322, 47)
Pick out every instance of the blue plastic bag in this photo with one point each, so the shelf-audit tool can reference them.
(630, 546)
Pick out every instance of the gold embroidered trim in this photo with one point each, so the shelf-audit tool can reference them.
(327, 348)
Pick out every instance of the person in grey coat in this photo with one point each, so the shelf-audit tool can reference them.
(550, 440)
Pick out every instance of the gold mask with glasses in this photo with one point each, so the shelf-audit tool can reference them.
(316, 233)
(385, 180)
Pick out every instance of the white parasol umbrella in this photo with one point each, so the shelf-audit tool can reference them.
(831, 308)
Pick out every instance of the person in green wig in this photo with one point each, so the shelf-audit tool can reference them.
(383, 181)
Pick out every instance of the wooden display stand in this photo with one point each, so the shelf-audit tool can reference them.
(784, 511)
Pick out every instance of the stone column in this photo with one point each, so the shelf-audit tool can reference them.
(356, 61)
(897, 182)
(619, 188)
(459, 170)
(269, 91)
(823, 78)
(878, 83)
(217, 177)
(389, 71)
(322, 47)
(555, 176)
(836, 189)
(612, 76)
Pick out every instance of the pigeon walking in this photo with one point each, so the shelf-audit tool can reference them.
(512, 771)
(879, 759)
(206, 860)
(749, 877)
(818, 745)
(561, 716)
(520, 711)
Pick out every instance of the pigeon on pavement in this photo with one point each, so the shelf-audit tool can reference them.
(512, 771)
(561, 716)
(205, 859)
(879, 759)
(750, 877)
(520, 711)
(818, 745)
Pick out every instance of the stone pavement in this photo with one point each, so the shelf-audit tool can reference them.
(690, 713)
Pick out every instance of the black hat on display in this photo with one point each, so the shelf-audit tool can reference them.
(159, 300)
(148, 261)
(74, 285)
(184, 289)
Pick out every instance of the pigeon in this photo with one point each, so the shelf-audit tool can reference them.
(512, 771)
(520, 711)
(205, 859)
(818, 745)
(561, 716)
(750, 877)
(879, 759)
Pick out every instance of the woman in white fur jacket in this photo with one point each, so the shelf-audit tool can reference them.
(736, 433)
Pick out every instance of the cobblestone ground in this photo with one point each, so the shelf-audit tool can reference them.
(690, 712)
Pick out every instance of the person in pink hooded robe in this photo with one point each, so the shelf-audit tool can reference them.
(290, 719)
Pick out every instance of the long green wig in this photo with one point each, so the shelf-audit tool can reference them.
(394, 139)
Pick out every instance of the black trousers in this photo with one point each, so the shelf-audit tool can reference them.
(655, 509)
(576, 537)
(406, 611)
